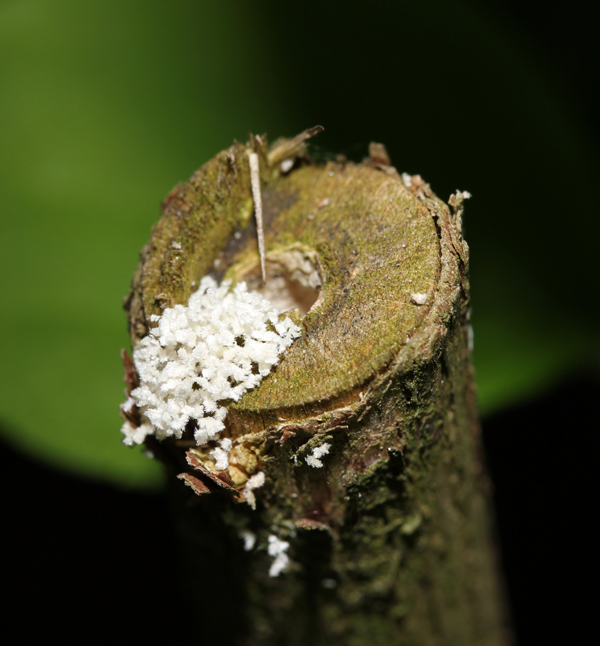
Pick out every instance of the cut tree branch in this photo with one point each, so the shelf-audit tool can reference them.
(389, 541)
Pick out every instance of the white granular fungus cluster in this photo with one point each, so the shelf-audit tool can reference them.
(218, 347)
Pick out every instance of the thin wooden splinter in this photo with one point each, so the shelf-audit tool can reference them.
(286, 148)
(255, 181)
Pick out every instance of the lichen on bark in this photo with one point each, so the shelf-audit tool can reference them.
(390, 541)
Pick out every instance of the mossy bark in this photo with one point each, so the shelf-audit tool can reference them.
(390, 541)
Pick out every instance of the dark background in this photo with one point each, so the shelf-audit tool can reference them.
(96, 563)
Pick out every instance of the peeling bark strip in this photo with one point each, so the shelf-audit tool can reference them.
(389, 541)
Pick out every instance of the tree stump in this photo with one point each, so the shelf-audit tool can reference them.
(390, 540)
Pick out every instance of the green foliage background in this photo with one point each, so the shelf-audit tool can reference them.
(106, 105)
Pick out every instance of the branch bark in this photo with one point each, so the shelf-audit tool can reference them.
(390, 541)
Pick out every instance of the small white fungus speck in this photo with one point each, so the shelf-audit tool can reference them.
(419, 299)
(318, 452)
(255, 482)
(406, 180)
(278, 549)
(176, 245)
(221, 455)
(128, 405)
(136, 435)
(249, 539)
(286, 165)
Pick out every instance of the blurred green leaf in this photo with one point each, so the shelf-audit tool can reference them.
(107, 105)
